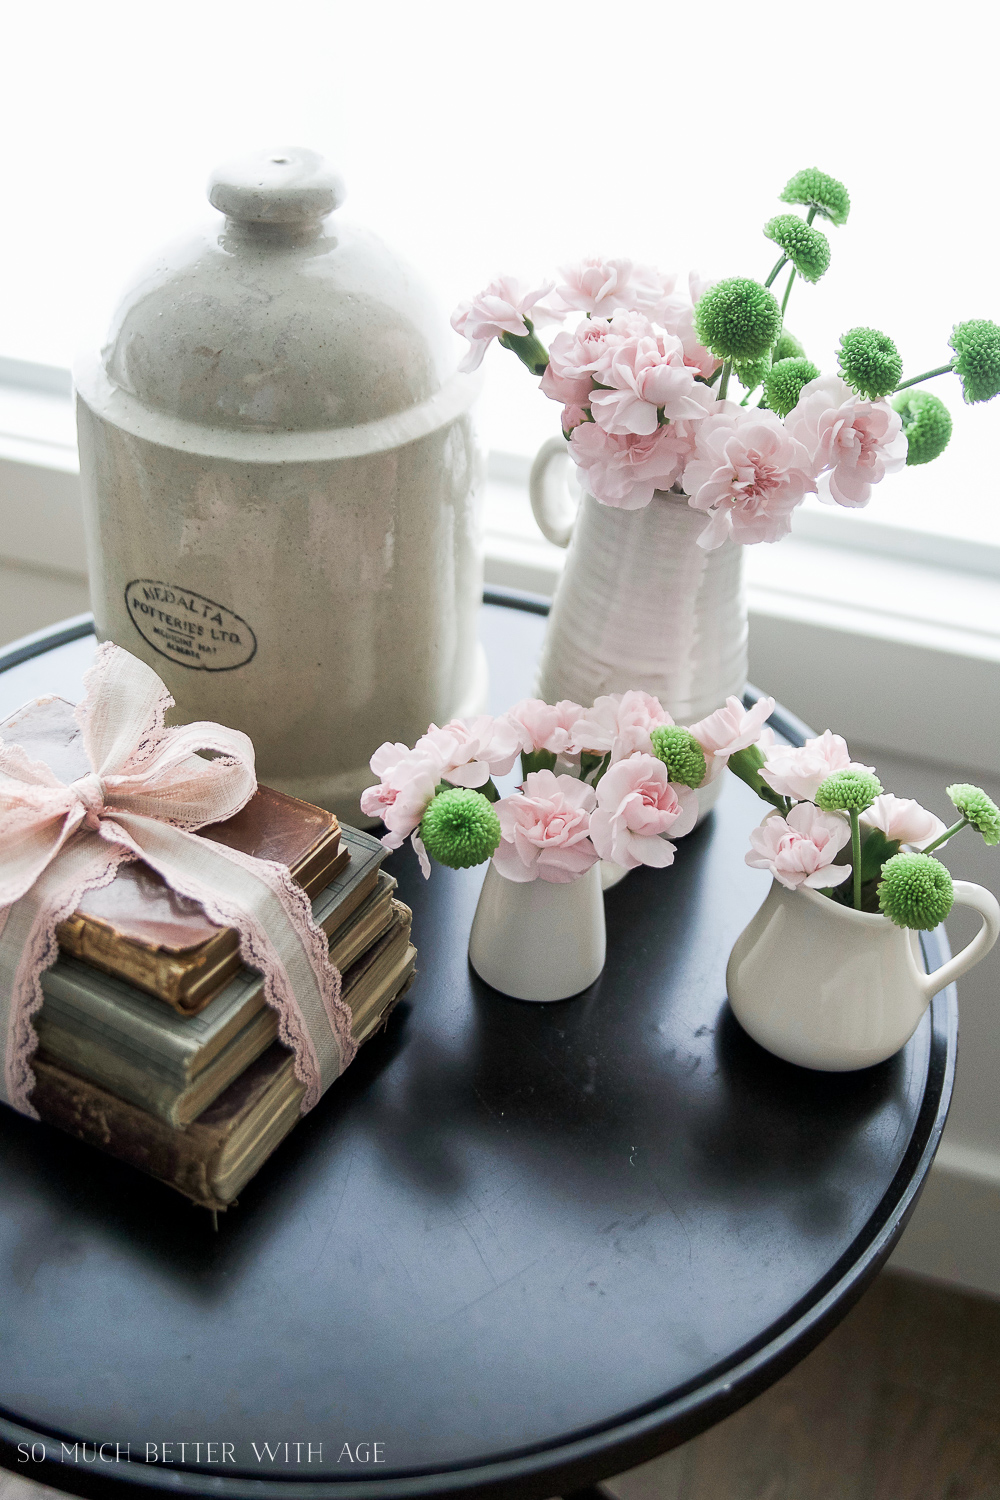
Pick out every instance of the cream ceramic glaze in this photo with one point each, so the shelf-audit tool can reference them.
(280, 484)
(536, 940)
(639, 604)
(835, 989)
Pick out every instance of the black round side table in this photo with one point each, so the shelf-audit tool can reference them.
(517, 1248)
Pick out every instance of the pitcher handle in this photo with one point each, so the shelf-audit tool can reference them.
(551, 502)
(982, 901)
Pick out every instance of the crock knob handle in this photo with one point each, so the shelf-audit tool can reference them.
(288, 185)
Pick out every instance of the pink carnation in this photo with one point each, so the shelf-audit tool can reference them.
(800, 849)
(748, 474)
(796, 771)
(544, 726)
(600, 287)
(470, 751)
(546, 830)
(903, 820)
(729, 729)
(499, 309)
(408, 781)
(621, 723)
(571, 417)
(577, 358)
(647, 375)
(636, 805)
(676, 314)
(627, 471)
(852, 444)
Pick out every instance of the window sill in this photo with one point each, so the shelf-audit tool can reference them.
(892, 637)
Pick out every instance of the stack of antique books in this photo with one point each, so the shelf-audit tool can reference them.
(154, 1042)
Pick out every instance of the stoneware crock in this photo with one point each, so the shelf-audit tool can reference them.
(827, 987)
(535, 940)
(639, 603)
(280, 483)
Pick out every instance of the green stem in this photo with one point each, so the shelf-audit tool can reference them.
(811, 215)
(529, 349)
(782, 262)
(927, 375)
(856, 856)
(724, 382)
(788, 292)
(948, 834)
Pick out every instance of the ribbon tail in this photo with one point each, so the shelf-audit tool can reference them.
(278, 937)
(28, 947)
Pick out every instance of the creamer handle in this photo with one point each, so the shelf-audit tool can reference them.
(982, 901)
(551, 502)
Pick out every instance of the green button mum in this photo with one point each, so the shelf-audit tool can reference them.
(848, 791)
(738, 319)
(814, 189)
(978, 809)
(870, 362)
(927, 424)
(787, 347)
(915, 891)
(681, 753)
(751, 372)
(808, 249)
(460, 828)
(977, 362)
(784, 383)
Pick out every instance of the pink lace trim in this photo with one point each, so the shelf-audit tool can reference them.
(40, 953)
(315, 942)
(258, 952)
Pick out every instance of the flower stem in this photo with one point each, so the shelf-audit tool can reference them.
(529, 349)
(782, 262)
(927, 375)
(724, 382)
(948, 834)
(788, 292)
(856, 856)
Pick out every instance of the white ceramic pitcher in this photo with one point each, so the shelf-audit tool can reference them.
(835, 989)
(538, 940)
(639, 604)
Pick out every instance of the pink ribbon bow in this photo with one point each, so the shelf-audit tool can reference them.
(147, 791)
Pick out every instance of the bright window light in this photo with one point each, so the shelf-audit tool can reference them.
(477, 138)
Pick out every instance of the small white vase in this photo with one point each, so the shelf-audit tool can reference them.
(536, 940)
(827, 987)
(639, 603)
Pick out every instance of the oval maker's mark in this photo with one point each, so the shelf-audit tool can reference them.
(187, 628)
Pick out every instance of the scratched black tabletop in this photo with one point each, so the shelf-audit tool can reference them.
(519, 1247)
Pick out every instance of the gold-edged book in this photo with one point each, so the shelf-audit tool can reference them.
(211, 1160)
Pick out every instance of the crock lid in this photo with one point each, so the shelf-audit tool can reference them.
(280, 319)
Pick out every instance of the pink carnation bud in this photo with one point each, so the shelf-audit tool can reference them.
(501, 308)
(903, 820)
